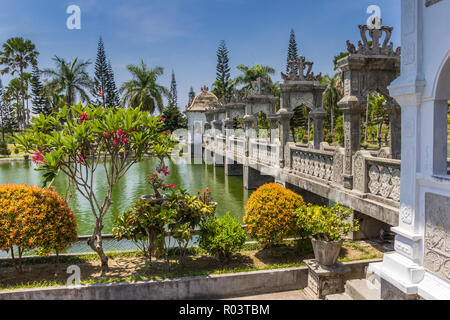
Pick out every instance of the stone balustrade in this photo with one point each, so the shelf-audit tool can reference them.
(377, 177)
(263, 151)
(312, 163)
(236, 146)
(221, 143)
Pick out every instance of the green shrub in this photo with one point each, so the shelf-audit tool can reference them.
(221, 237)
(4, 151)
(326, 224)
(16, 150)
(145, 225)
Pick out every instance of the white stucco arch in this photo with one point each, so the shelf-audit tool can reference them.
(441, 87)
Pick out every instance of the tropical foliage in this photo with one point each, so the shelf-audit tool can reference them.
(144, 224)
(143, 90)
(69, 79)
(17, 55)
(326, 224)
(75, 143)
(222, 236)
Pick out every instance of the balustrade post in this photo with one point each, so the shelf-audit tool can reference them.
(318, 115)
(351, 107)
(395, 119)
(285, 118)
(250, 132)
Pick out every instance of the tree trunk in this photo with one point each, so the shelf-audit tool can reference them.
(98, 247)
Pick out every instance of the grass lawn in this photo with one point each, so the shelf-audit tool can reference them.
(40, 272)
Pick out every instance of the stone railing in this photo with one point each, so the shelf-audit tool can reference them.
(313, 163)
(377, 177)
(236, 146)
(264, 152)
(208, 140)
(221, 143)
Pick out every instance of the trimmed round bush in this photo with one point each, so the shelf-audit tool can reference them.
(221, 237)
(35, 218)
(270, 214)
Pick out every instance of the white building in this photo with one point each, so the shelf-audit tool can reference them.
(195, 113)
(420, 266)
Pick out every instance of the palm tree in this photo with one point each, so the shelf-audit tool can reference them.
(69, 78)
(331, 95)
(17, 55)
(143, 90)
(251, 74)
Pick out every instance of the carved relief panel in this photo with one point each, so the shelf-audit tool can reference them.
(437, 235)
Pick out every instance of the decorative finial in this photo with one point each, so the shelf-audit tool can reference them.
(375, 47)
(297, 71)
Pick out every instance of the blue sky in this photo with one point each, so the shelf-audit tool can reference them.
(183, 34)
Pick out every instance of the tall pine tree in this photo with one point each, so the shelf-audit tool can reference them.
(292, 51)
(112, 94)
(40, 102)
(173, 97)
(101, 74)
(223, 86)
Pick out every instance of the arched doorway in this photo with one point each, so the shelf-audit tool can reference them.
(441, 134)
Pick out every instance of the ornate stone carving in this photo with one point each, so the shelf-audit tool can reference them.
(359, 172)
(338, 165)
(300, 70)
(437, 235)
(384, 180)
(375, 48)
(311, 163)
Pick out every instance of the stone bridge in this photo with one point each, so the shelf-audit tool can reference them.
(367, 181)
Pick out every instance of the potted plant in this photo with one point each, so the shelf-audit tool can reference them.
(156, 181)
(326, 226)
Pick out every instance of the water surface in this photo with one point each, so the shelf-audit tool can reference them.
(227, 191)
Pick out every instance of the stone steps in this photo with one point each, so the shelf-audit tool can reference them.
(358, 289)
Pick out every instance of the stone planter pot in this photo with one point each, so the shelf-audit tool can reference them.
(151, 198)
(326, 252)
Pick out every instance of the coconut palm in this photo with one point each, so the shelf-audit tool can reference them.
(17, 55)
(251, 74)
(331, 95)
(69, 78)
(143, 90)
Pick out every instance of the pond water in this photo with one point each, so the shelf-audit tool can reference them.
(227, 191)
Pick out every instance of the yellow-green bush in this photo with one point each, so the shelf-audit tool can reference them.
(270, 213)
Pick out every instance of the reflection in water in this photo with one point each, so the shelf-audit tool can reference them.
(227, 191)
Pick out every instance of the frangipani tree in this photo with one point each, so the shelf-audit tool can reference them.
(79, 144)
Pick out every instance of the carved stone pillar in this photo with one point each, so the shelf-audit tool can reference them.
(318, 116)
(250, 131)
(273, 119)
(351, 108)
(395, 119)
(285, 118)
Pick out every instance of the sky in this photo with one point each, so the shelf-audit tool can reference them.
(183, 35)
